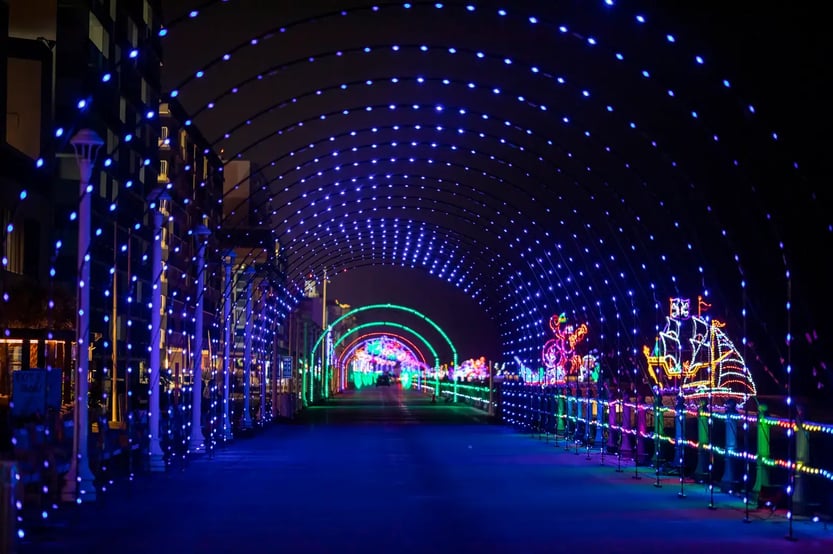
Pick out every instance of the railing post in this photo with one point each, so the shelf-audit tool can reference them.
(761, 469)
(625, 446)
(612, 432)
(577, 434)
(702, 470)
(679, 434)
(641, 430)
(729, 482)
(802, 456)
(559, 420)
(659, 429)
(600, 398)
(568, 415)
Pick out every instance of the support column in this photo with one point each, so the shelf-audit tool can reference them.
(729, 482)
(625, 447)
(679, 434)
(701, 472)
(763, 452)
(641, 430)
(228, 337)
(197, 438)
(264, 297)
(157, 462)
(79, 479)
(247, 360)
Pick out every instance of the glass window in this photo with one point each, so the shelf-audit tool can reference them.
(99, 36)
(147, 14)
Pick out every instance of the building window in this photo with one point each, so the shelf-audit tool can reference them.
(99, 36)
(183, 144)
(163, 171)
(144, 92)
(14, 245)
(164, 139)
(147, 14)
(133, 33)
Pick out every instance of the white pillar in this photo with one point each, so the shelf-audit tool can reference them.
(197, 438)
(79, 479)
(228, 298)
(264, 296)
(157, 462)
(247, 354)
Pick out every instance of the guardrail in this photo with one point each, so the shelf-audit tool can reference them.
(771, 461)
(476, 395)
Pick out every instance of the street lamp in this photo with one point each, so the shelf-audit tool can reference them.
(79, 480)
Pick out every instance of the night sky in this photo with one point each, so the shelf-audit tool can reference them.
(777, 60)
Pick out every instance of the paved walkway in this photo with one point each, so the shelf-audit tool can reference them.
(384, 470)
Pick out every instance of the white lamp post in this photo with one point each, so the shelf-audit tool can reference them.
(197, 439)
(79, 479)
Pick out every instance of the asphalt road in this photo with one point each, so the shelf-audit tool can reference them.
(384, 470)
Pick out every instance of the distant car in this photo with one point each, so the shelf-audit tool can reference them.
(383, 380)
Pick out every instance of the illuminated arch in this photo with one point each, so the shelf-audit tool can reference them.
(385, 324)
(389, 307)
(351, 347)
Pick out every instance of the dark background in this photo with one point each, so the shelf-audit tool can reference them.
(776, 54)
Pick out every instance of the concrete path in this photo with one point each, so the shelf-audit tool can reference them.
(383, 470)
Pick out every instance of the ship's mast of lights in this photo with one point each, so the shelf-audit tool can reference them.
(79, 480)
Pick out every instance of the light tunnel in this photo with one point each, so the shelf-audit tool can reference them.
(542, 158)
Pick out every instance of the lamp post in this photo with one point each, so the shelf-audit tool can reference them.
(157, 462)
(197, 439)
(228, 337)
(79, 479)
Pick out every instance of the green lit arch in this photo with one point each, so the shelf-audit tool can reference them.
(388, 307)
(364, 338)
(384, 324)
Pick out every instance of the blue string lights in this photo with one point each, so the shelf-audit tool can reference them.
(526, 179)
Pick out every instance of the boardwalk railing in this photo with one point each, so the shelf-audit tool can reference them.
(771, 461)
(474, 394)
